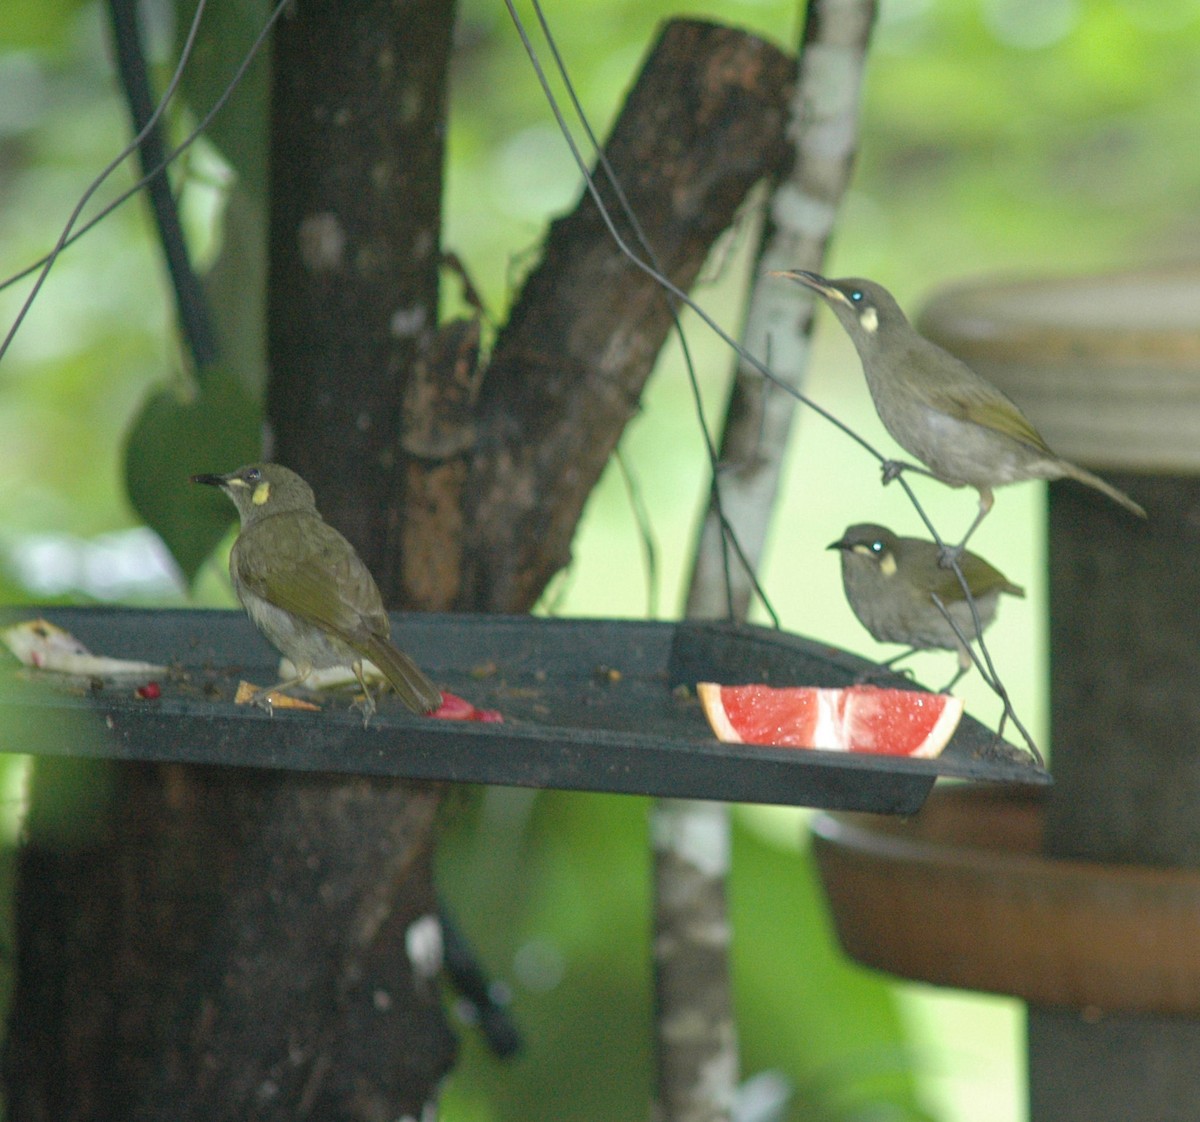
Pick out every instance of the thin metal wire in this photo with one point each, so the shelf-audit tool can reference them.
(131, 147)
(68, 238)
(986, 667)
(728, 537)
(641, 516)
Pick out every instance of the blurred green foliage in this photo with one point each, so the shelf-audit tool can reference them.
(556, 887)
(217, 423)
(1042, 136)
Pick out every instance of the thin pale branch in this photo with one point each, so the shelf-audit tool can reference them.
(801, 213)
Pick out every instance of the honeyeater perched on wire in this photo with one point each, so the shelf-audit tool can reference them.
(890, 583)
(961, 427)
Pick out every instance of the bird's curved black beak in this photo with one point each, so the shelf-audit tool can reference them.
(815, 281)
(209, 480)
(839, 544)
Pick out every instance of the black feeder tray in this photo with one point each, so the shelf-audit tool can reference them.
(595, 705)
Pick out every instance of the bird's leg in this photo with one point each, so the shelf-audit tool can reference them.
(262, 698)
(891, 662)
(958, 674)
(885, 669)
(951, 553)
(367, 705)
(964, 664)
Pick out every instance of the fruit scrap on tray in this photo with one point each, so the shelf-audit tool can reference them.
(247, 691)
(453, 707)
(864, 718)
(40, 644)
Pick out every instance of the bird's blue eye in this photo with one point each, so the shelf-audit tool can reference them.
(253, 475)
(877, 547)
(857, 296)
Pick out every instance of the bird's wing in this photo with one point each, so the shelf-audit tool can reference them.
(314, 573)
(985, 405)
(405, 676)
(981, 578)
(304, 566)
(950, 386)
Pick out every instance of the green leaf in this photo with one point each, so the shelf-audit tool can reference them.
(172, 439)
(239, 130)
(562, 879)
(38, 24)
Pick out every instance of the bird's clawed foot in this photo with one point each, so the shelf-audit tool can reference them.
(262, 699)
(886, 670)
(366, 706)
(884, 673)
(893, 469)
(950, 555)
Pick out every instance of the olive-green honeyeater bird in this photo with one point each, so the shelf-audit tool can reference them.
(890, 583)
(307, 591)
(960, 426)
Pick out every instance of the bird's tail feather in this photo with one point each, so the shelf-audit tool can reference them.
(404, 675)
(1102, 485)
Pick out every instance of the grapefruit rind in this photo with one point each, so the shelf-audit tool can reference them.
(838, 712)
(709, 694)
(939, 736)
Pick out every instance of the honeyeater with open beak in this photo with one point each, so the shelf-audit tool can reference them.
(307, 590)
(965, 431)
(891, 584)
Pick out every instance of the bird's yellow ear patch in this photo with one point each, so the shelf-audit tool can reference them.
(261, 493)
(887, 564)
(869, 320)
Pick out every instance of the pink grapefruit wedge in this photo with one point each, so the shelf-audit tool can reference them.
(854, 719)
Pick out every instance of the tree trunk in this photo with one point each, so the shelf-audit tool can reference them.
(228, 944)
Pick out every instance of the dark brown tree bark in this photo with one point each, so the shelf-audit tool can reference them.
(221, 944)
(212, 943)
(357, 138)
(703, 124)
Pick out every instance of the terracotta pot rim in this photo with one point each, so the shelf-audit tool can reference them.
(891, 839)
(960, 897)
